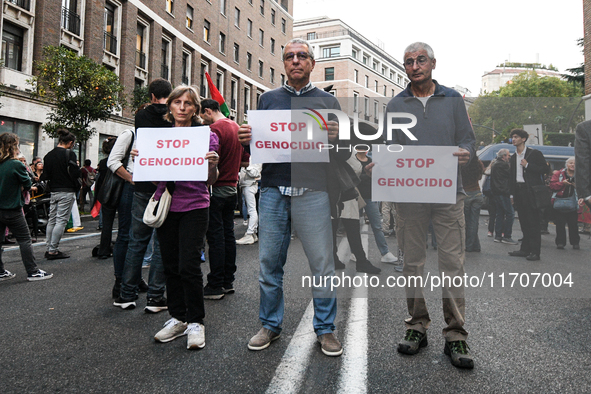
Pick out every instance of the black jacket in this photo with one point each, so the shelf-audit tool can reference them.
(500, 173)
(55, 170)
(536, 169)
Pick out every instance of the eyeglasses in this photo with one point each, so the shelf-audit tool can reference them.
(421, 61)
(301, 56)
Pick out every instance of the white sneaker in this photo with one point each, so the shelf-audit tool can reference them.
(353, 258)
(173, 329)
(389, 258)
(195, 336)
(248, 239)
(6, 275)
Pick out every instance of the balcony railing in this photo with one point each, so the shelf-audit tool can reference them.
(164, 71)
(140, 59)
(70, 21)
(24, 4)
(110, 43)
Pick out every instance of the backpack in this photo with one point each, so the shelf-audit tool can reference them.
(90, 178)
(486, 189)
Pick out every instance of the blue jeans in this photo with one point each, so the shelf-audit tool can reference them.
(505, 217)
(375, 221)
(139, 238)
(310, 215)
(472, 204)
(124, 212)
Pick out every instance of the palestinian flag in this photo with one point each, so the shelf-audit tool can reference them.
(217, 96)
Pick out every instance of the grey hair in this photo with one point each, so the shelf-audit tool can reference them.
(299, 41)
(502, 152)
(417, 46)
(572, 158)
(20, 156)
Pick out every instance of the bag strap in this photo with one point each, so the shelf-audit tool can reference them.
(127, 154)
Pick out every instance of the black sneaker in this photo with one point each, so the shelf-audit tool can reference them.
(367, 267)
(124, 303)
(412, 342)
(459, 353)
(6, 275)
(209, 293)
(56, 256)
(156, 305)
(228, 289)
(39, 275)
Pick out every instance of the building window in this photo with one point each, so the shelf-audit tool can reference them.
(366, 108)
(391, 75)
(262, 7)
(186, 68)
(258, 98)
(272, 76)
(261, 65)
(165, 53)
(376, 86)
(222, 43)
(393, 93)
(354, 53)
(219, 82)
(249, 28)
(365, 60)
(383, 70)
(248, 61)
(12, 46)
(70, 17)
(283, 25)
(246, 99)
(206, 27)
(385, 88)
(140, 53)
(272, 46)
(27, 132)
(375, 66)
(311, 36)
(236, 53)
(169, 6)
(236, 17)
(189, 17)
(110, 40)
(273, 16)
(355, 102)
(223, 7)
(261, 37)
(399, 80)
(329, 74)
(233, 94)
(282, 79)
(356, 76)
(331, 52)
(203, 80)
(375, 111)
(366, 81)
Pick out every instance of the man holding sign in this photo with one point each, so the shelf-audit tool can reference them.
(295, 194)
(442, 120)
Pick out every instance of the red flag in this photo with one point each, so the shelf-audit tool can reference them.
(217, 96)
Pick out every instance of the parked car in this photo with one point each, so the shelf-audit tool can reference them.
(555, 155)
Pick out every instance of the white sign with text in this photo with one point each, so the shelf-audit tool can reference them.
(288, 136)
(412, 173)
(171, 154)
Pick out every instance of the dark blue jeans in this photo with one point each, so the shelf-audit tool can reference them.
(472, 204)
(505, 217)
(222, 242)
(139, 238)
(120, 248)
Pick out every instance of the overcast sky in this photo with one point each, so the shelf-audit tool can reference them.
(469, 37)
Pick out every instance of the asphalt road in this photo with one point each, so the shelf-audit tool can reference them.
(64, 335)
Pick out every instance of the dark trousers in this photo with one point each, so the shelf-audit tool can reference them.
(15, 221)
(222, 242)
(529, 219)
(181, 238)
(561, 219)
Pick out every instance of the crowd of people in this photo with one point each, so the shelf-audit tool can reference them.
(310, 198)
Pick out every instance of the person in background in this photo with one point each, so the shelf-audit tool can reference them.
(249, 188)
(490, 202)
(471, 175)
(182, 234)
(563, 184)
(59, 170)
(87, 174)
(102, 170)
(14, 179)
(501, 198)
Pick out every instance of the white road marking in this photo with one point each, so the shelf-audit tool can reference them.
(290, 372)
(64, 239)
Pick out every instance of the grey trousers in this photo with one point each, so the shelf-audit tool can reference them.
(59, 214)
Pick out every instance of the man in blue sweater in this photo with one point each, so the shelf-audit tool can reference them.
(295, 196)
(441, 120)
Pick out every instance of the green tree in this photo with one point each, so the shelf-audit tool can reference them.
(82, 91)
(577, 74)
(140, 97)
(527, 99)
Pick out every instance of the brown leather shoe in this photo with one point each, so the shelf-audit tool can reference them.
(330, 344)
(262, 339)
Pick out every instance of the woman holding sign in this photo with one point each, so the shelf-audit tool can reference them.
(182, 233)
